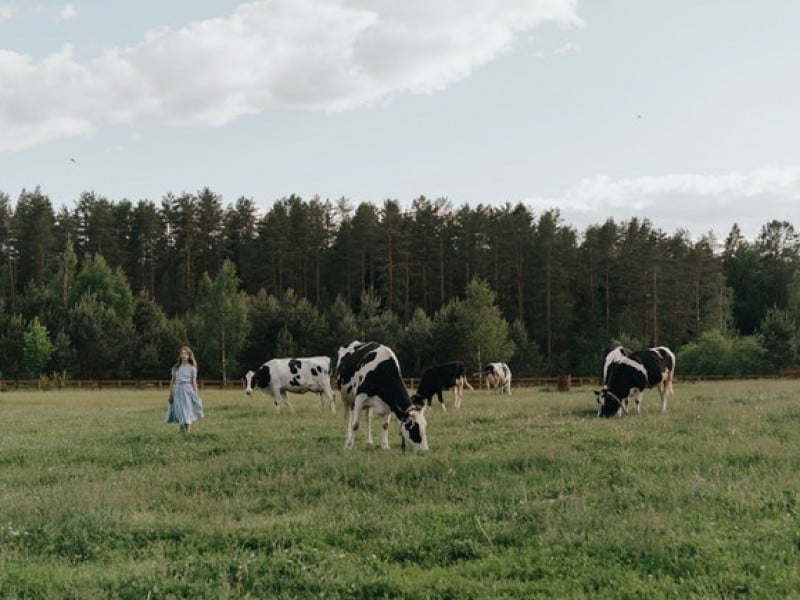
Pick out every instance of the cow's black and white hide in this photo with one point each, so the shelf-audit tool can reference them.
(279, 376)
(628, 376)
(441, 377)
(614, 355)
(498, 377)
(668, 357)
(368, 376)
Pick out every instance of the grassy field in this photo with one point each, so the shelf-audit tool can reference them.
(528, 496)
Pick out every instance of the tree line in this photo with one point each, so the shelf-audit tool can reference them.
(112, 289)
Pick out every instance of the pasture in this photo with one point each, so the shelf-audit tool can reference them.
(528, 496)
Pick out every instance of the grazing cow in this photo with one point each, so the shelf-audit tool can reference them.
(368, 376)
(630, 375)
(498, 376)
(442, 377)
(278, 376)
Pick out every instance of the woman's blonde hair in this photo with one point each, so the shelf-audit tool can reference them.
(192, 359)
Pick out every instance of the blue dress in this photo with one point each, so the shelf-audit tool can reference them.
(186, 406)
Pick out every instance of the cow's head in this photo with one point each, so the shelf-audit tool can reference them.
(412, 428)
(248, 382)
(253, 379)
(418, 401)
(608, 405)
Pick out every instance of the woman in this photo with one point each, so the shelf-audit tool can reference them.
(185, 406)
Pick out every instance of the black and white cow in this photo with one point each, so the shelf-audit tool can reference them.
(443, 377)
(279, 376)
(630, 375)
(498, 377)
(368, 376)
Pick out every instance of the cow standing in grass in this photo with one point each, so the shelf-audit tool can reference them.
(279, 376)
(498, 377)
(629, 375)
(368, 376)
(443, 377)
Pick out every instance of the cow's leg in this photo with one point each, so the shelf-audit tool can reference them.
(330, 400)
(286, 401)
(354, 421)
(369, 426)
(638, 394)
(385, 431)
(276, 398)
(351, 433)
(358, 406)
(441, 398)
(458, 391)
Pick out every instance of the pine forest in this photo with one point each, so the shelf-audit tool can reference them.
(112, 289)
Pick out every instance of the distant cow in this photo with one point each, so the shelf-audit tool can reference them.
(368, 376)
(443, 377)
(278, 376)
(498, 377)
(630, 375)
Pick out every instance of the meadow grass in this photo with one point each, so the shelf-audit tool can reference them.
(528, 496)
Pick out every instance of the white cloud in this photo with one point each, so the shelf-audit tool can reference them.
(567, 48)
(7, 12)
(68, 12)
(310, 54)
(670, 202)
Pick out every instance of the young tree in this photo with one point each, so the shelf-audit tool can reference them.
(777, 331)
(102, 338)
(473, 329)
(36, 349)
(220, 321)
(64, 359)
(416, 345)
(342, 326)
(375, 324)
(155, 341)
(100, 317)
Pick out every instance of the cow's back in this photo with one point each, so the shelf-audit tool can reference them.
(654, 364)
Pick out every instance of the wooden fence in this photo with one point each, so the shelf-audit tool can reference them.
(562, 382)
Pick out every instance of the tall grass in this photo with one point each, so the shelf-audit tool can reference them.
(520, 497)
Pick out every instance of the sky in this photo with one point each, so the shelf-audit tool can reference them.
(684, 113)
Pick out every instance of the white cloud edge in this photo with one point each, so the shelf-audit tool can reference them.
(259, 57)
(673, 201)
